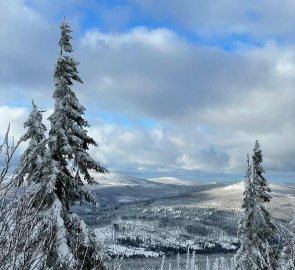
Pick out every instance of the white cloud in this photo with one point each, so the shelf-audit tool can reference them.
(158, 39)
(190, 83)
(26, 53)
(156, 150)
(209, 105)
(15, 117)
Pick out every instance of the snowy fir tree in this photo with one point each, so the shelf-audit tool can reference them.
(44, 232)
(22, 222)
(287, 258)
(256, 229)
(245, 230)
(68, 146)
(68, 139)
(34, 154)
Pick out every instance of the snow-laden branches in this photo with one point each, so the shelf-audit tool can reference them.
(287, 259)
(37, 228)
(30, 234)
(256, 229)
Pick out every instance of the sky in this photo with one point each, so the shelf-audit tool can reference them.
(172, 88)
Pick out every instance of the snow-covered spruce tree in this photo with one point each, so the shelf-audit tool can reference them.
(45, 234)
(22, 222)
(33, 155)
(245, 230)
(266, 230)
(256, 229)
(68, 142)
(68, 139)
(287, 256)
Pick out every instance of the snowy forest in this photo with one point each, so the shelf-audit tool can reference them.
(49, 204)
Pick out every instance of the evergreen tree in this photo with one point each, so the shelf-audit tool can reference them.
(68, 145)
(265, 228)
(68, 139)
(50, 236)
(245, 230)
(287, 258)
(33, 156)
(23, 221)
(256, 229)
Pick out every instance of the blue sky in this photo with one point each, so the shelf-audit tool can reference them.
(118, 16)
(172, 88)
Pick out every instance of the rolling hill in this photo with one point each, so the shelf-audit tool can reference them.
(145, 217)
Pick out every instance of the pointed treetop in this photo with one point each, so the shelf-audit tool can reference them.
(36, 128)
(257, 156)
(35, 108)
(257, 145)
(257, 148)
(65, 38)
(34, 105)
(256, 230)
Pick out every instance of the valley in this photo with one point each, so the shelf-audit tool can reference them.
(142, 218)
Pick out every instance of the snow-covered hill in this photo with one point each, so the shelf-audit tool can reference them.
(168, 214)
(115, 188)
(171, 181)
(230, 197)
(117, 180)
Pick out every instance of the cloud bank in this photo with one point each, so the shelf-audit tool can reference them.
(157, 100)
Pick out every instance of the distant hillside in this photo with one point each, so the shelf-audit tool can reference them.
(117, 180)
(230, 197)
(171, 181)
(168, 214)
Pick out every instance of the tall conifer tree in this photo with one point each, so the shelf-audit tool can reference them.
(245, 230)
(256, 229)
(54, 237)
(68, 139)
(68, 145)
(32, 158)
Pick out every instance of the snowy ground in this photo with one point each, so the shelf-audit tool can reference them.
(150, 217)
